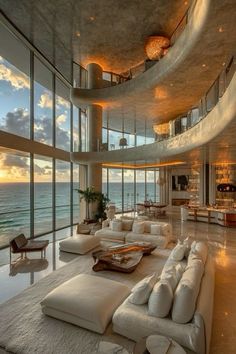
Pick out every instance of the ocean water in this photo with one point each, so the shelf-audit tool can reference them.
(15, 205)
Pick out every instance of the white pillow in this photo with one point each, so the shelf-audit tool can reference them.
(177, 254)
(127, 225)
(173, 275)
(186, 293)
(200, 249)
(155, 229)
(116, 225)
(138, 227)
(142, 290)
(160, 300)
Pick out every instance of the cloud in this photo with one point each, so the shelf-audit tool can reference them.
(61, 119)
(45, 100)
(15, 161)
(17, 122)
(17, 79)
(60, 101)
(1, 59)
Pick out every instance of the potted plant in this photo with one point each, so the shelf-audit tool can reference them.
(89, 195)
(101, 207)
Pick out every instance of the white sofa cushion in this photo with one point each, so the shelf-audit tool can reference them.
(142, 290)
(138, 227)
(173, 275)
(86, 301)
(107, 233)
(187, 292)
(155, 229)
(178, 252)
(160, 300)
(200, 249)
(127, 225)
(116, 225)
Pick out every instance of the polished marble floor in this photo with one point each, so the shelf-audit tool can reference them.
(222, 244)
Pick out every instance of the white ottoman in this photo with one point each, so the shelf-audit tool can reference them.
(86, 301)
(79, 243)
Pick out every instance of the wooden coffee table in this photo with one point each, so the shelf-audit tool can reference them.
(123, 258)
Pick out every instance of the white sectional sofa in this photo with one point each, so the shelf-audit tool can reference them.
(125, 230)
(189, 318)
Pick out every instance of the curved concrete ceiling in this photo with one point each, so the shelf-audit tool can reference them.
(109, 32)
(181, 78)
(206, 130)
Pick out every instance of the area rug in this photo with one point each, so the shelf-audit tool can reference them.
(24, 329)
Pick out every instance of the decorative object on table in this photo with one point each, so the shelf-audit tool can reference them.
(123, 258)
(110, 211)
(156, 47)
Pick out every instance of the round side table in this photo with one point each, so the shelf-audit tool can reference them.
(141, 346)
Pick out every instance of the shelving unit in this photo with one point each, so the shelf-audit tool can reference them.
(225, 174)
(194, 187)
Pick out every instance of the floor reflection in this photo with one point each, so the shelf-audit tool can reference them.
(27, 265)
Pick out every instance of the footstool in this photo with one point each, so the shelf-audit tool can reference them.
(80, 244)
(86, 300)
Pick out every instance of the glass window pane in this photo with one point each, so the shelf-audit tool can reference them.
(104, 180)
(76, 126)
(75, 194)
(14, 85)
(62, 116)
(84, 130)
(14, 194)
(128, 190)
(43, 103)
(150, 185)
(115, 187)
(140, 186)
(62, 194)
(42, 194)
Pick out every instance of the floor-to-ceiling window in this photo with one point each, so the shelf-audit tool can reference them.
(43, 103)
(14, 85)
(62, 116)
(129, 190)
(37, 181)
(43, 194)
(14, 194)
(63, 195)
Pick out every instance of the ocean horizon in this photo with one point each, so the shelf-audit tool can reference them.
(15, 204)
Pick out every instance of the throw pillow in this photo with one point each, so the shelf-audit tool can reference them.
(173, 275)
(142, 290)
(138, 227)
(160, 300)
(186, 293)
(155, 229)
(127, 225)
(177, 254)
(200, 249)
(116, 225)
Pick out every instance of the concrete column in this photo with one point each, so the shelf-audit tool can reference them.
(94, 171)
(94, 76)
(94, 127)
